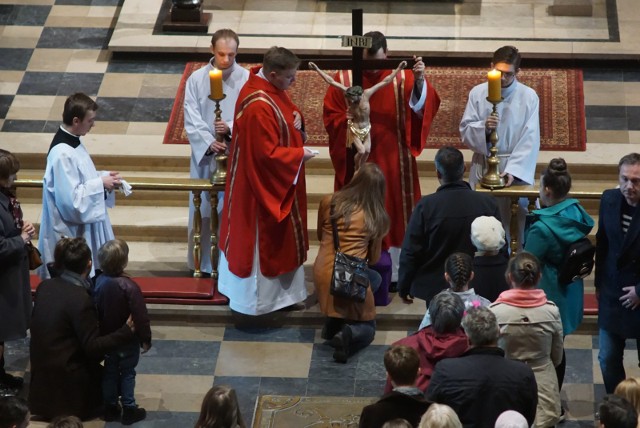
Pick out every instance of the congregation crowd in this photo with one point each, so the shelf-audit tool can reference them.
(489, 350)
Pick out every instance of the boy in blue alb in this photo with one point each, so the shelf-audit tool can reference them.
(117, 298)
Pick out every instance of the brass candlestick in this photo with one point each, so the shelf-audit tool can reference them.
(220, 175)
(491, 179)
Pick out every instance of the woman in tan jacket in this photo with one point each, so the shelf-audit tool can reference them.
(531, 332)
(362, 221)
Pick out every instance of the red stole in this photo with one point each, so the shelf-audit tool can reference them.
(261, 202)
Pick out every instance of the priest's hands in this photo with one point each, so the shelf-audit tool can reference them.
(111, 180)
(418, 69)
(297, 120)
(308, 154)
(418, 76)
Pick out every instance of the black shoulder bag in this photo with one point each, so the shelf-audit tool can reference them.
(349, 279)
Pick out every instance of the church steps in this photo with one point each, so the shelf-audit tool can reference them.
(156, 216)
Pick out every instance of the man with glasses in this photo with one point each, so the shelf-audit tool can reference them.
(517, 123)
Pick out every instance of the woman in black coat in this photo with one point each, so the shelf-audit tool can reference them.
(15, 291)
(66, 346)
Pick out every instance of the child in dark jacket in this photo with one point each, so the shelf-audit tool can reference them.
(117, 297)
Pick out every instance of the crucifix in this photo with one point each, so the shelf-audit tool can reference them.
(357, 42)
(357, 98)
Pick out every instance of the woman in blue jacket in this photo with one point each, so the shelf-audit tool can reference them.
(552, 229)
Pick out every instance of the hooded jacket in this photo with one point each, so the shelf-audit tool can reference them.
(548, 237)
(432, 347)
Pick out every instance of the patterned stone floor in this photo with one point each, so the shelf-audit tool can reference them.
(186, 361)
(50, 48)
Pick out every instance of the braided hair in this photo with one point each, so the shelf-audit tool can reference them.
(459, 266)
(523, 270)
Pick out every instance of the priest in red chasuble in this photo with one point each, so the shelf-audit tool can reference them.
(263, 229)
(401, 115)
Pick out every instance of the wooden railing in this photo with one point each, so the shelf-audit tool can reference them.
(195, 186)
(580, 191)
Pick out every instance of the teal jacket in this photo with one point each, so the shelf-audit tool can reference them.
(550, 232)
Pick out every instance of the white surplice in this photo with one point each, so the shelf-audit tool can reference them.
(198, 124)
(518, 130)
(518, 140)
(73, 203)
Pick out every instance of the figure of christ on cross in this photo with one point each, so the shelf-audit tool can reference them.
(358, 123)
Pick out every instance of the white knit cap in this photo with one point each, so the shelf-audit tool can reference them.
(487, 234)
(511, 419)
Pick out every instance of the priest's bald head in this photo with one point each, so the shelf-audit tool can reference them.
(449, 165)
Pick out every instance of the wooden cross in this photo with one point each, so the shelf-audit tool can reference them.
(357, 43)
(356, 51)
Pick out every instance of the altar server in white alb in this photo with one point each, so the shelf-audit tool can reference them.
(75, 196)
(518, 127)
(199, 125)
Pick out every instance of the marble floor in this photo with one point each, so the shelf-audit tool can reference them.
(186, 360)
(50, 48)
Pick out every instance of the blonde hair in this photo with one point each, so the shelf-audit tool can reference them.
(440, 416)
(629, 389)
(365, 191)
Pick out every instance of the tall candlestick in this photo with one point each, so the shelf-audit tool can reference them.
(495, 86)
(215, 76)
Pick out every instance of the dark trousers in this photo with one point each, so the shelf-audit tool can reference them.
(362, 332)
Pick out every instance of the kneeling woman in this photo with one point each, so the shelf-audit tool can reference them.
(361, 220)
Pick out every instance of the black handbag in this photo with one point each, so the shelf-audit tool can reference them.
(349, 279)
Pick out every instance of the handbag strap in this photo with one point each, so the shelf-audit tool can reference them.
(334, 227)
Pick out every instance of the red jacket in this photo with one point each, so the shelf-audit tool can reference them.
(432, 348)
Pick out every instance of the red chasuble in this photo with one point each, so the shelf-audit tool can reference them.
(397, 135)
(261, 199)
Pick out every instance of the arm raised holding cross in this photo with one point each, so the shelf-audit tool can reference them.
(358, 111)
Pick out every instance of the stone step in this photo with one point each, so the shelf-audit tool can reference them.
(151, 223)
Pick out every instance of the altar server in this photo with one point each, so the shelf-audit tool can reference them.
(75, 196)
(517, 123)
(201, 127)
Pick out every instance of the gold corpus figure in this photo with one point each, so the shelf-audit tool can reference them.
(358, 123)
